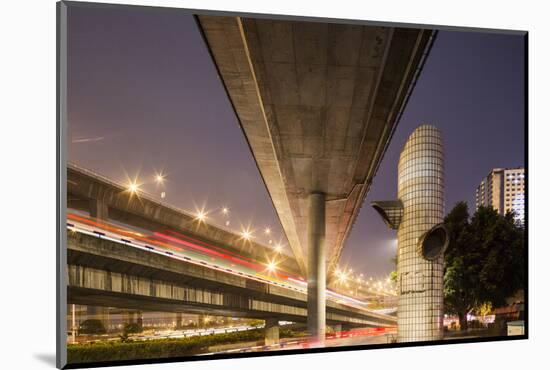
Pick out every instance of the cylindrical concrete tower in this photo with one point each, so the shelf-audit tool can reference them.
(421, 237)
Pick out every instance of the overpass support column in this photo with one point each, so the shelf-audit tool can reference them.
(337, 329)
(99, 209)
(271, 332)
(129, 317)
(98, 313)
(316, 264)
(179, 321)
(139, 319)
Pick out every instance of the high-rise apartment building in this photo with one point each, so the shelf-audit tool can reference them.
(504, 190)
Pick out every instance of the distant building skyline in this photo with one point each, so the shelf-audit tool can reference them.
(504, 190)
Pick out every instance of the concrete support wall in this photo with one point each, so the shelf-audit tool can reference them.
(420, 188)
(271, 332)
(316, 280)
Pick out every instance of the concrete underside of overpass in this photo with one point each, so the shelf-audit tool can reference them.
(318, 103)
(105, 273)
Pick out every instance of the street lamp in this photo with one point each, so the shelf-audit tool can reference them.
(201, 216)
(133, 187)
(159, 178)
(272, 266)
(246, 234)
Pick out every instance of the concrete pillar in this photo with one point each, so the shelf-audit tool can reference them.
(337, 329)
(202, 321)
(129, 317)
(73, 323)
(271, 332)
(99, 209)
(179, 320)
(139, 321)
(98, 313)
(316, 279)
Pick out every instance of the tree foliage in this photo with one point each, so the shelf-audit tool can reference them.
(484, 262)
(393, 274)
(92, 326)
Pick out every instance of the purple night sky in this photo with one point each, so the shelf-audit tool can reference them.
(144, 97)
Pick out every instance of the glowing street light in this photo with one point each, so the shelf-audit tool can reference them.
(267, 230)
(133, 187)
(159, 178)
(342, 278)
(225, 210)
(201, 216)
(278, 248)
(246, 234)
(271, 266)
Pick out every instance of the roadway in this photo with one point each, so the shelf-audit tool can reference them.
(187, 249)
(352, 337)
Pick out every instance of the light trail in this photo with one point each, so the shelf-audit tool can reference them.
(190, 250)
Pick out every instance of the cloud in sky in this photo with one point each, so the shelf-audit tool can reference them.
(87, 139)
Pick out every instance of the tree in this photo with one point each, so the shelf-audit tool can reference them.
(484, 261)
(460, 265)
(501, 245)
(393, 274)
(92, 326)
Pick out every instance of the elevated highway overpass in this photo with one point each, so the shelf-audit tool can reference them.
(104, 271)
(318, 103)
(105, 199)
(121, 270)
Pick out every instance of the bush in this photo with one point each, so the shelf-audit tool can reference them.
(92, 326)
(161, 348)
(290, 333)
